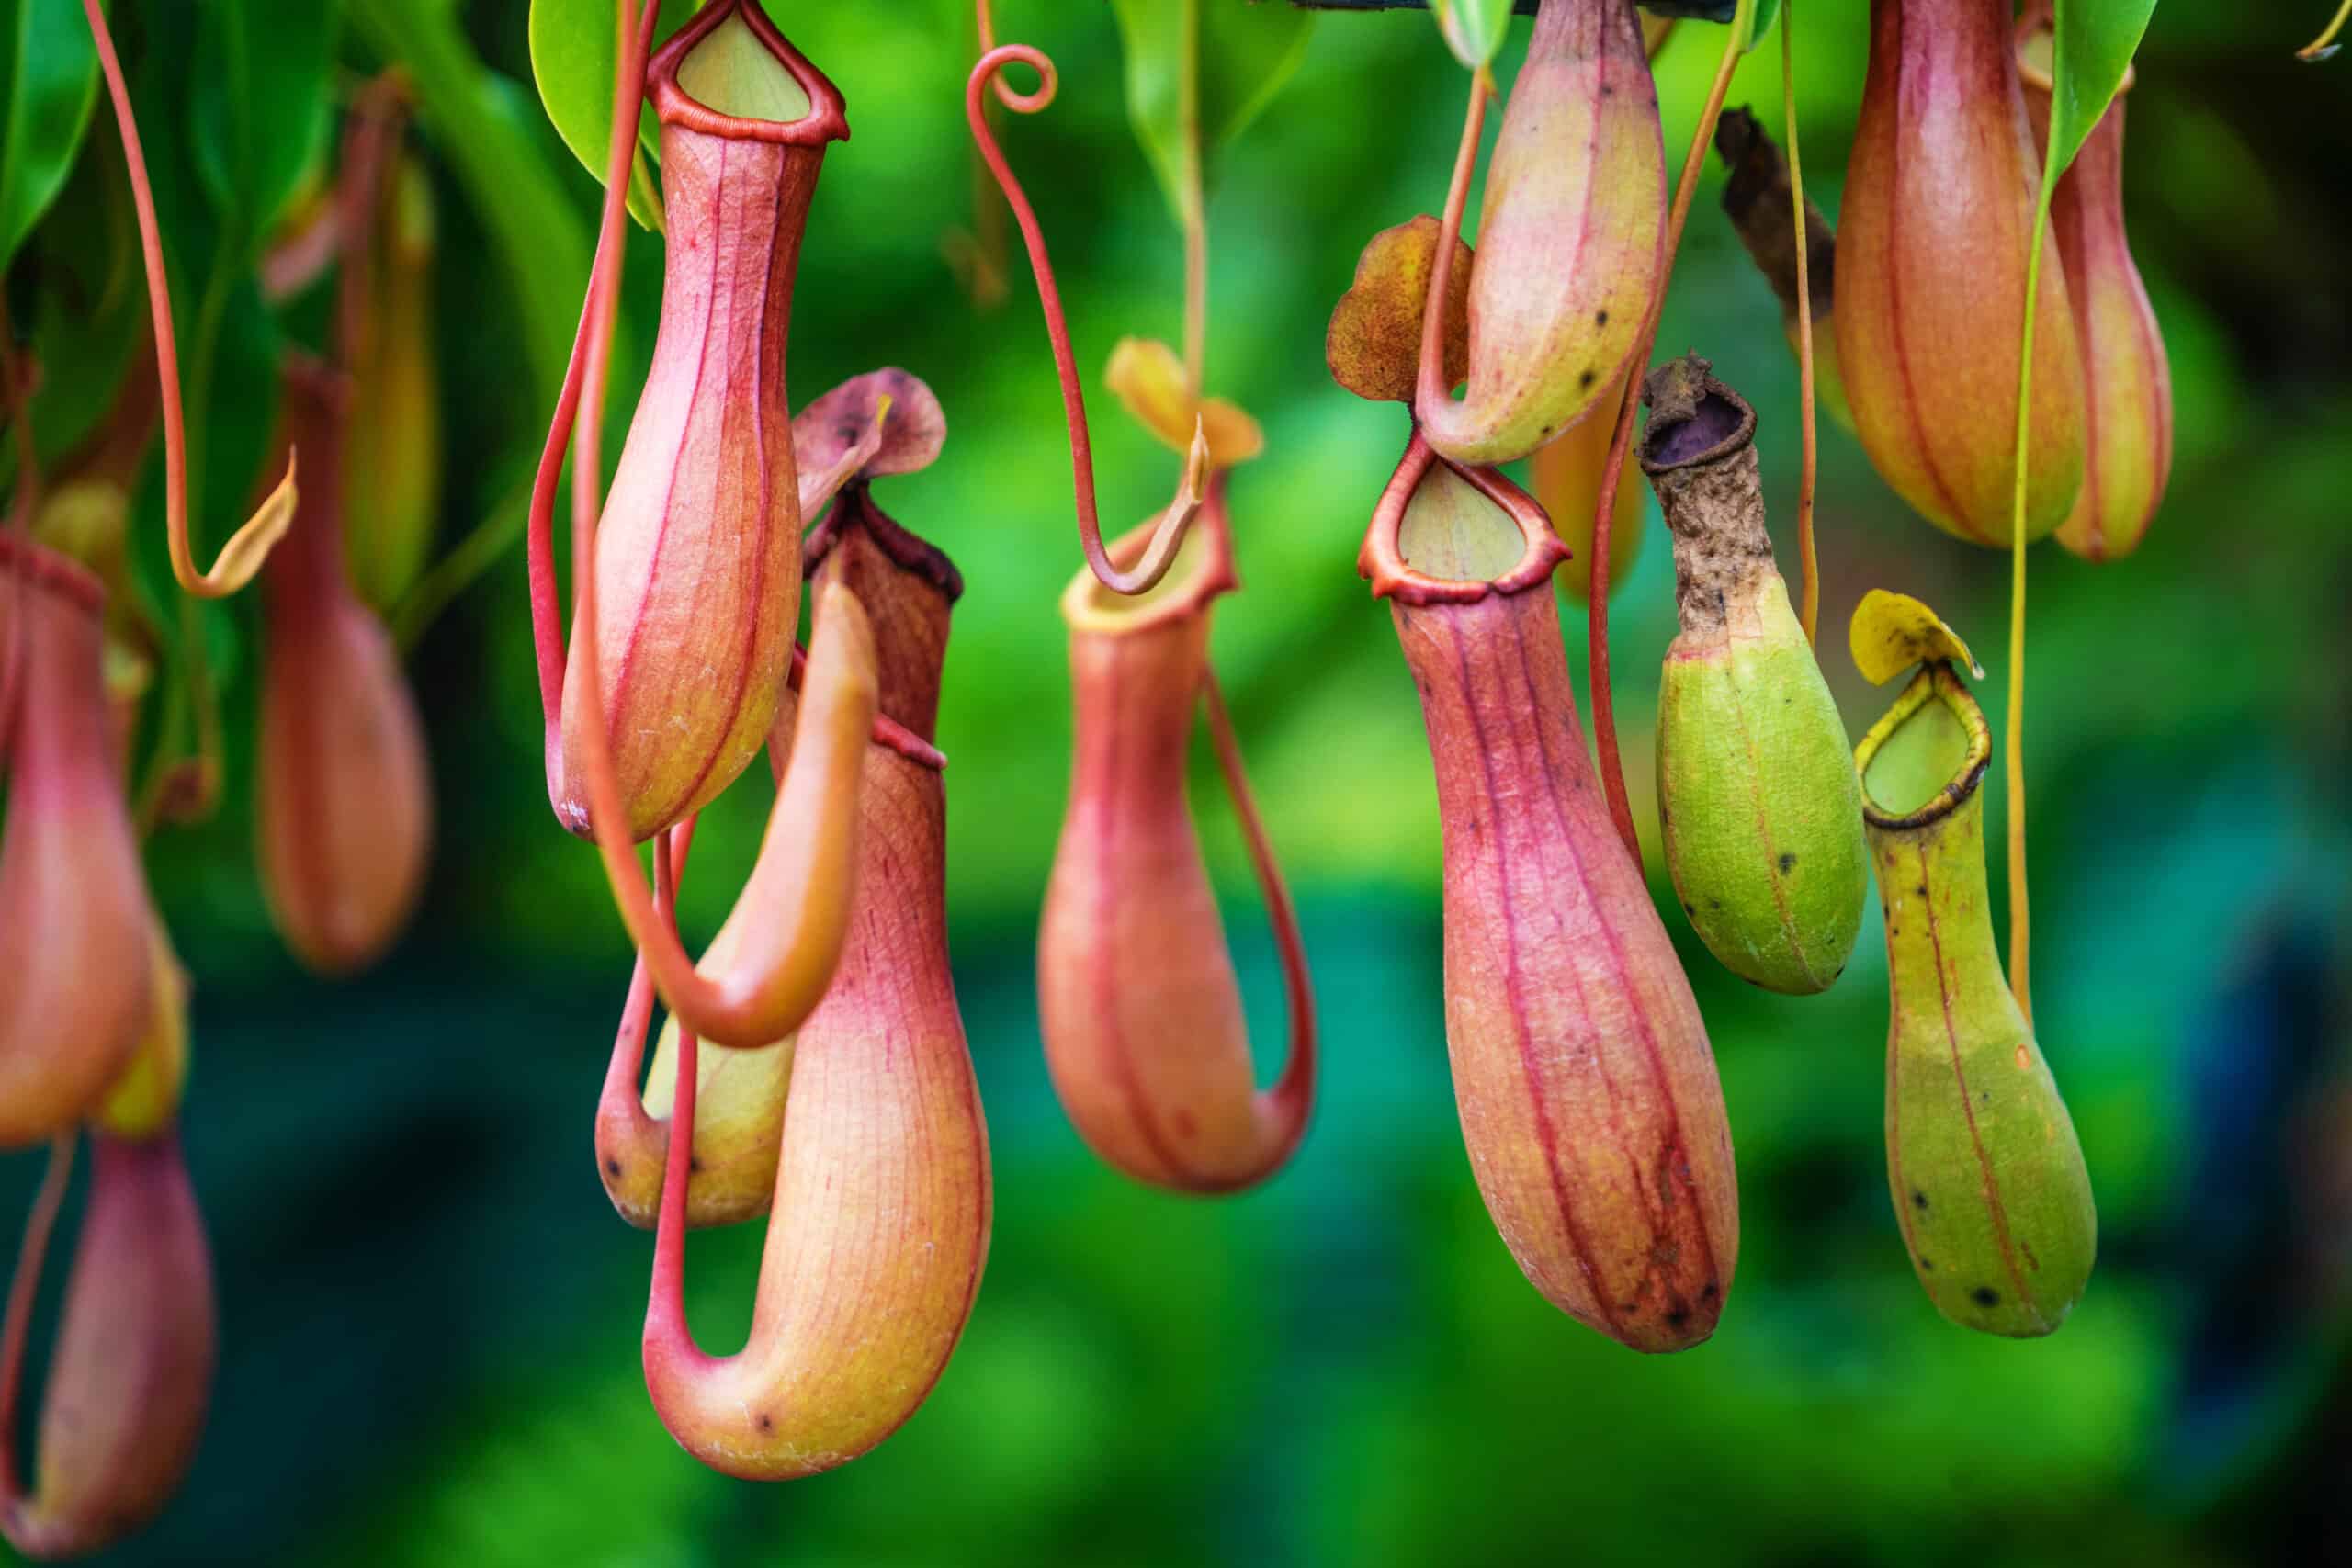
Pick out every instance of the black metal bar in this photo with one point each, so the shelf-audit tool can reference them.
(1519, 7)
(1696, 10)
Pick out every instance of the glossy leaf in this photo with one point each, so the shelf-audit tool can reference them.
(259, 99)
(572, 60)
(49, 74)
(1474, 29)
(2094, 44)
(1766, 12)
(1247, 54)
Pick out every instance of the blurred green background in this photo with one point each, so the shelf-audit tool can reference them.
(430, 1314)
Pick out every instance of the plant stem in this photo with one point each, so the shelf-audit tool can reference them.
(2020, 911)
(1809, 609)
(237, 560)
(1195, 203)
(22, 1290)
(1604, 707)
(1432, 371)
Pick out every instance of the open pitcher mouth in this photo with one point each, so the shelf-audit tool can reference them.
(1925, 756)
(1202, 569)
(1449, 534)
(730, 73)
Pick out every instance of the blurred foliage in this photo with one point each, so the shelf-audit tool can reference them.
(431, 1316)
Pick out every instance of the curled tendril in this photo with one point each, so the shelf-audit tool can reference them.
(1019, 103)
(1178, 518)
(241, 557)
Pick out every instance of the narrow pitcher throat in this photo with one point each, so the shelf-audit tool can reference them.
(908, 588)
(1923, 762)
(1439, 520)
(1699, 452)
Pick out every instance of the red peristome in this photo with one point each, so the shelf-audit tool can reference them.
(343, 793)
(132, 1370)
(74, 985)
(1587, 1092)
(698, 554)
(1934, 237)
(1139, 1005)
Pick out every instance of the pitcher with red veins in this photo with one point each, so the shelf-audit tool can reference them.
(1140, 1008)
(697, 558)
(884, 422)
(1571, 239)
(131, 1372)
(342, 795)
(2127, 378)
(1933, 243)
(880, 1223)
(74, 915)
(1587, 1092)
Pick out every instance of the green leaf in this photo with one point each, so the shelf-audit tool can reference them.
(1474, 29)
(260, 104)
(2096, 39)
(483, 124)
(572, 60)
(1767, 13)
(1247, 54)
(48, 73)
(91, 312)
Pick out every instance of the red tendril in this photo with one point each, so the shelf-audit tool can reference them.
(1178, 518)
(1457, 200)
(1604, 711)
(665, 1311)
(636, 1011)
(18, 1326)
(241, 557)
(1294, 1093)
